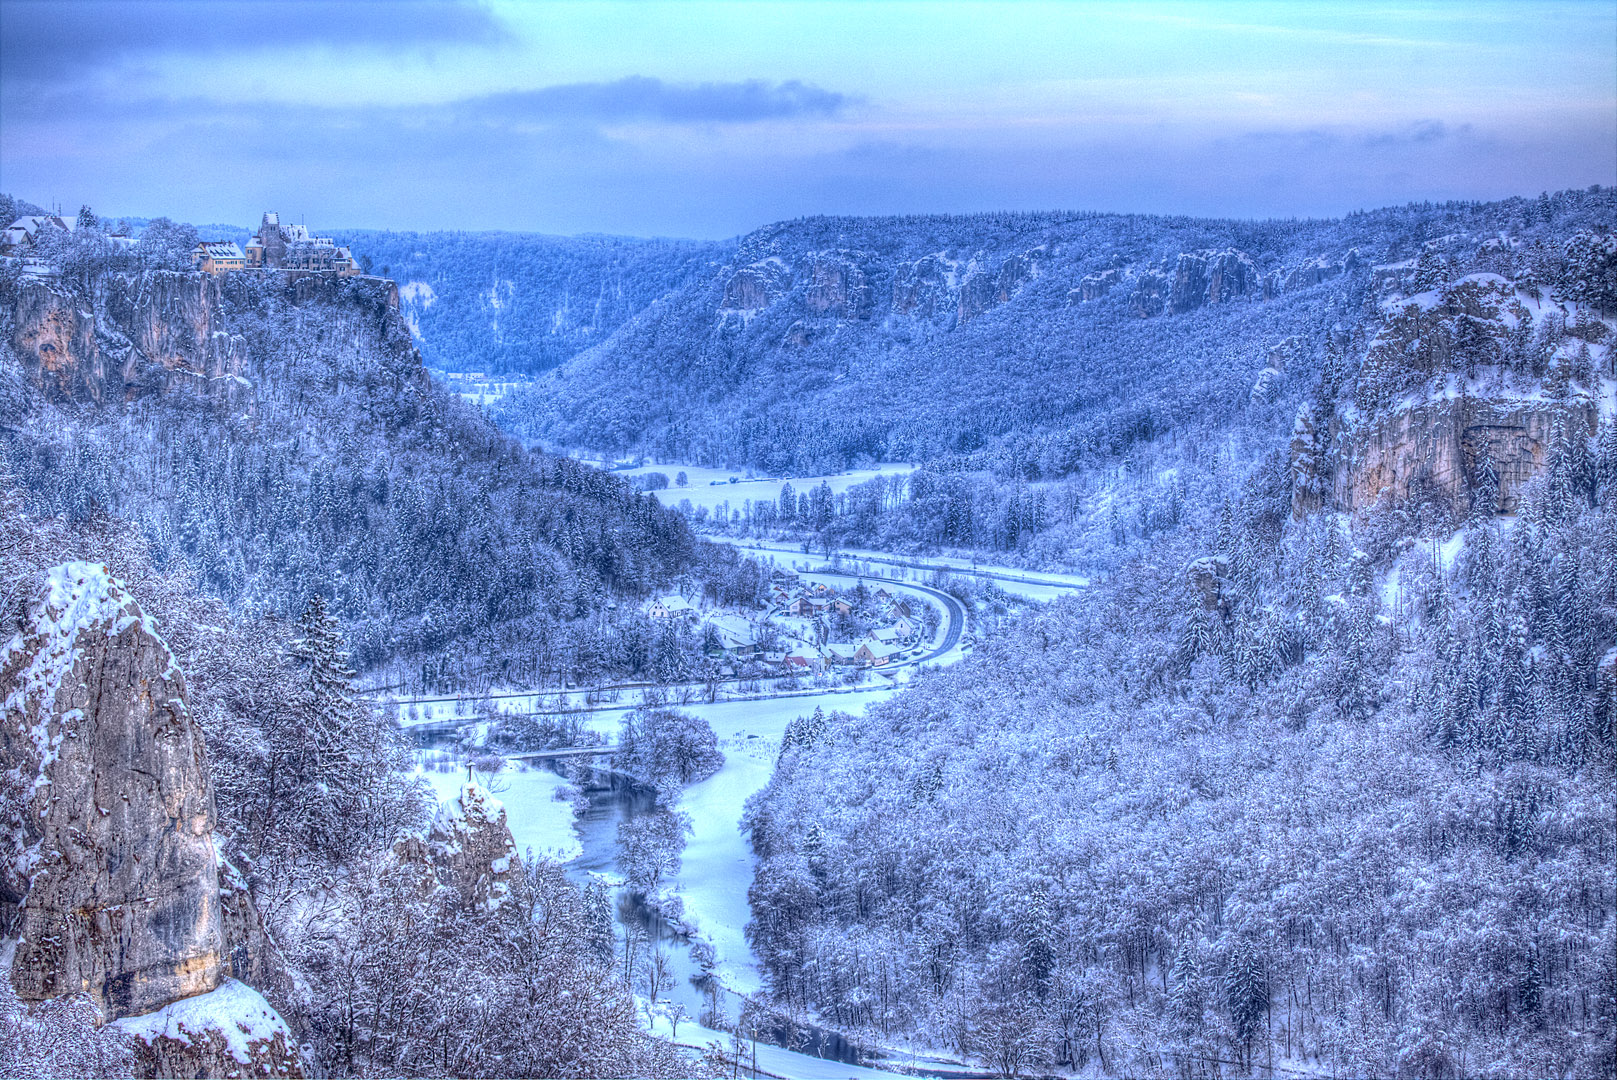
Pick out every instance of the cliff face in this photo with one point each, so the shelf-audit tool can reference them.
(468, 849)
(111, 881)
(161, 332)
(136, 334)
(117, 893)
(1464, 388)
(1442, 446)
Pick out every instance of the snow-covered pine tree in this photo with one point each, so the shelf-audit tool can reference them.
(332, 749)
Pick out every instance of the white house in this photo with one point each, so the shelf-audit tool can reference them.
(671, 607)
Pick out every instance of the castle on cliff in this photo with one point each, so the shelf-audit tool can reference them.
(277, 247)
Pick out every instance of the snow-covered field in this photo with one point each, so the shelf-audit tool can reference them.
(703, 491)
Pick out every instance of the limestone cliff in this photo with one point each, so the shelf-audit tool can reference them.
(228, 1032)
(136, 334)
(470, 849)
(839, 286)
(162, 332)
(110, 885)
(1438, 449)
(755, 287)
(1460, 396)
(117, 891)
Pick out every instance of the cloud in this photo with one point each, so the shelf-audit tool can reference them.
(641, 98)
(47, 40)
(1422, 131)
(1321, 139)
(575, 106)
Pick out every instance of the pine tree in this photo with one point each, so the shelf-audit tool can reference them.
(1246, 992)
(333, 754)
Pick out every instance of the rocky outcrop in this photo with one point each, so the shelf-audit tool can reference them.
(978, 293)
(112, 881)
(837, 286)
(1436, 449)
(803, 333)
(1015, 272)
(135, 334)
(1150, 295)
(1310, 467)
(1189, 284)
(1231, 275)
(1315, 271)
(1208, 575)
(1094, 286)
(753, 288)
(116, 890)
(471, 847)
(1273, 376)
(230, 1031)
(1212, 277)
(922, 287)
(983, 289)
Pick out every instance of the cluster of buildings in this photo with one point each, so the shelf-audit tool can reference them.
(276, 246)
(743, 639)
(22, 236)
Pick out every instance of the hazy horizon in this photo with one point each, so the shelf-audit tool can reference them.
(709, 120)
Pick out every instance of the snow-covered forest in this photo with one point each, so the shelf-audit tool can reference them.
(1308, 771)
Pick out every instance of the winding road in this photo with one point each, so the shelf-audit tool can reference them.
(948, 642)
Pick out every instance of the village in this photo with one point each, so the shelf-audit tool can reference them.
(810, 627)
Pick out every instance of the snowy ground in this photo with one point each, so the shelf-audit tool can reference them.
(772, 1060)
(1029, 584)
(717, 867)
(704, 492)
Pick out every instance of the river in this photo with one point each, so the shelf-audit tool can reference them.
(614, 799)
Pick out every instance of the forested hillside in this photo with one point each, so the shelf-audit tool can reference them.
(521, 303)
(1321, 776)
(1331, 831)
(1066, 405)
(281, 437)
(1039, 343)
(375, 921)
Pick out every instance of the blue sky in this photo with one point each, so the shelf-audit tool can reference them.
(709, 119)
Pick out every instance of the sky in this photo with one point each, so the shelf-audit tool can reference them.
(711, 119)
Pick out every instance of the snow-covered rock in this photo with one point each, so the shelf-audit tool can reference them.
(471, 846)
(230, 1031)
(111, 875)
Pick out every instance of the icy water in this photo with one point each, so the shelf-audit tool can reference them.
(614, 799)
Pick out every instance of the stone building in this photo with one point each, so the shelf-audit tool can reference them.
(291, 247)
